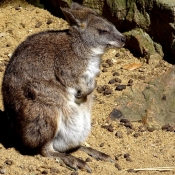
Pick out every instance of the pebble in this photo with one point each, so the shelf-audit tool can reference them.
(49, 21)
(167, 127)
(109, 62)
(141, 128)
(45, 172)
(110, 128)
(105, 65)
(120, 87)
(8, 162)
(136, 134)
(130, 81)
(112, 81)
(117, 54)
(119, 134)
(128, 125)
(104, 70)
(150, 129)
(88, 160)
(54, 170)
(22, 24)
(100, 89)
(38, 24)
(115, 114)
(126, 155)
(107, 91)
(116, 74)
(74, 173)
(118, 80)
(164, 97)
(129, 131)
(118, 166)
(128, 159)
(141, 77)
(17, 8)
(101, 145)
(124, 120)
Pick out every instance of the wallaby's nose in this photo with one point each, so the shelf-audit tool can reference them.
(123, 39)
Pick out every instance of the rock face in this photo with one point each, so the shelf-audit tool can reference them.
(152, 103)
(155, 17)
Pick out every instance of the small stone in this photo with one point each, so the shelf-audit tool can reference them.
(104, 70)
(110, 128)
(128, 159)
(115, 114)
(130, 81)
(120, 87)
(136, 134)
(38, 24)
(22, 24)
(119, 134)
(116, 74)
(117, 54)
(17, 8)
(88, 160)
(118, 166)
(106, 87)
(124, 120)
(107, 91)
(112, 81)
(101, 145)
(126, 155)
(170, 128)
(150, 129)
(141, 77)
(49, 21)
(44, 172)
(118, 80)
(129, 131)
(116, 158)
(54, 170)
(130, 170)
(128, 125)
(8, 162)
(100, 89)
(74, 173)
(104, 65)
(165, 127)
(141, 129)
(109, 62)
(164, 97)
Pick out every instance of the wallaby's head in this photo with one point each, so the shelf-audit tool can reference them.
(94, 30)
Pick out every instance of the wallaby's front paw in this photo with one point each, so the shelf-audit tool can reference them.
(75, 163)
(96, 154)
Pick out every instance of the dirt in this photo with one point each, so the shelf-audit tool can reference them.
(131, 148)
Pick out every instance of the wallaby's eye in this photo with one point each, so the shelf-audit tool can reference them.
(101, 31)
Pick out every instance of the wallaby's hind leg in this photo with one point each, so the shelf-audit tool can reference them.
(68, 159)
(96, 154)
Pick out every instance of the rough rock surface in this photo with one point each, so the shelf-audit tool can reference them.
(155, 17)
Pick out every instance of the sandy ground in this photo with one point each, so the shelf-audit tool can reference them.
(135, 148)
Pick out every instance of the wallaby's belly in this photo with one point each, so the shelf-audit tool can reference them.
(74, 126)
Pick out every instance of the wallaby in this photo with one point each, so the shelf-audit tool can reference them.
(48, 83)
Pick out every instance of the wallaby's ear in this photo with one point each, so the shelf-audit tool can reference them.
(69, 16)
(75, 17)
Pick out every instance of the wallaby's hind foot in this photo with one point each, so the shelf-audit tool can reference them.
(96, 154)
(68, 160)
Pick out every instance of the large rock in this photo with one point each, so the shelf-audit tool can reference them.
(152, 103)
(155, 17)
